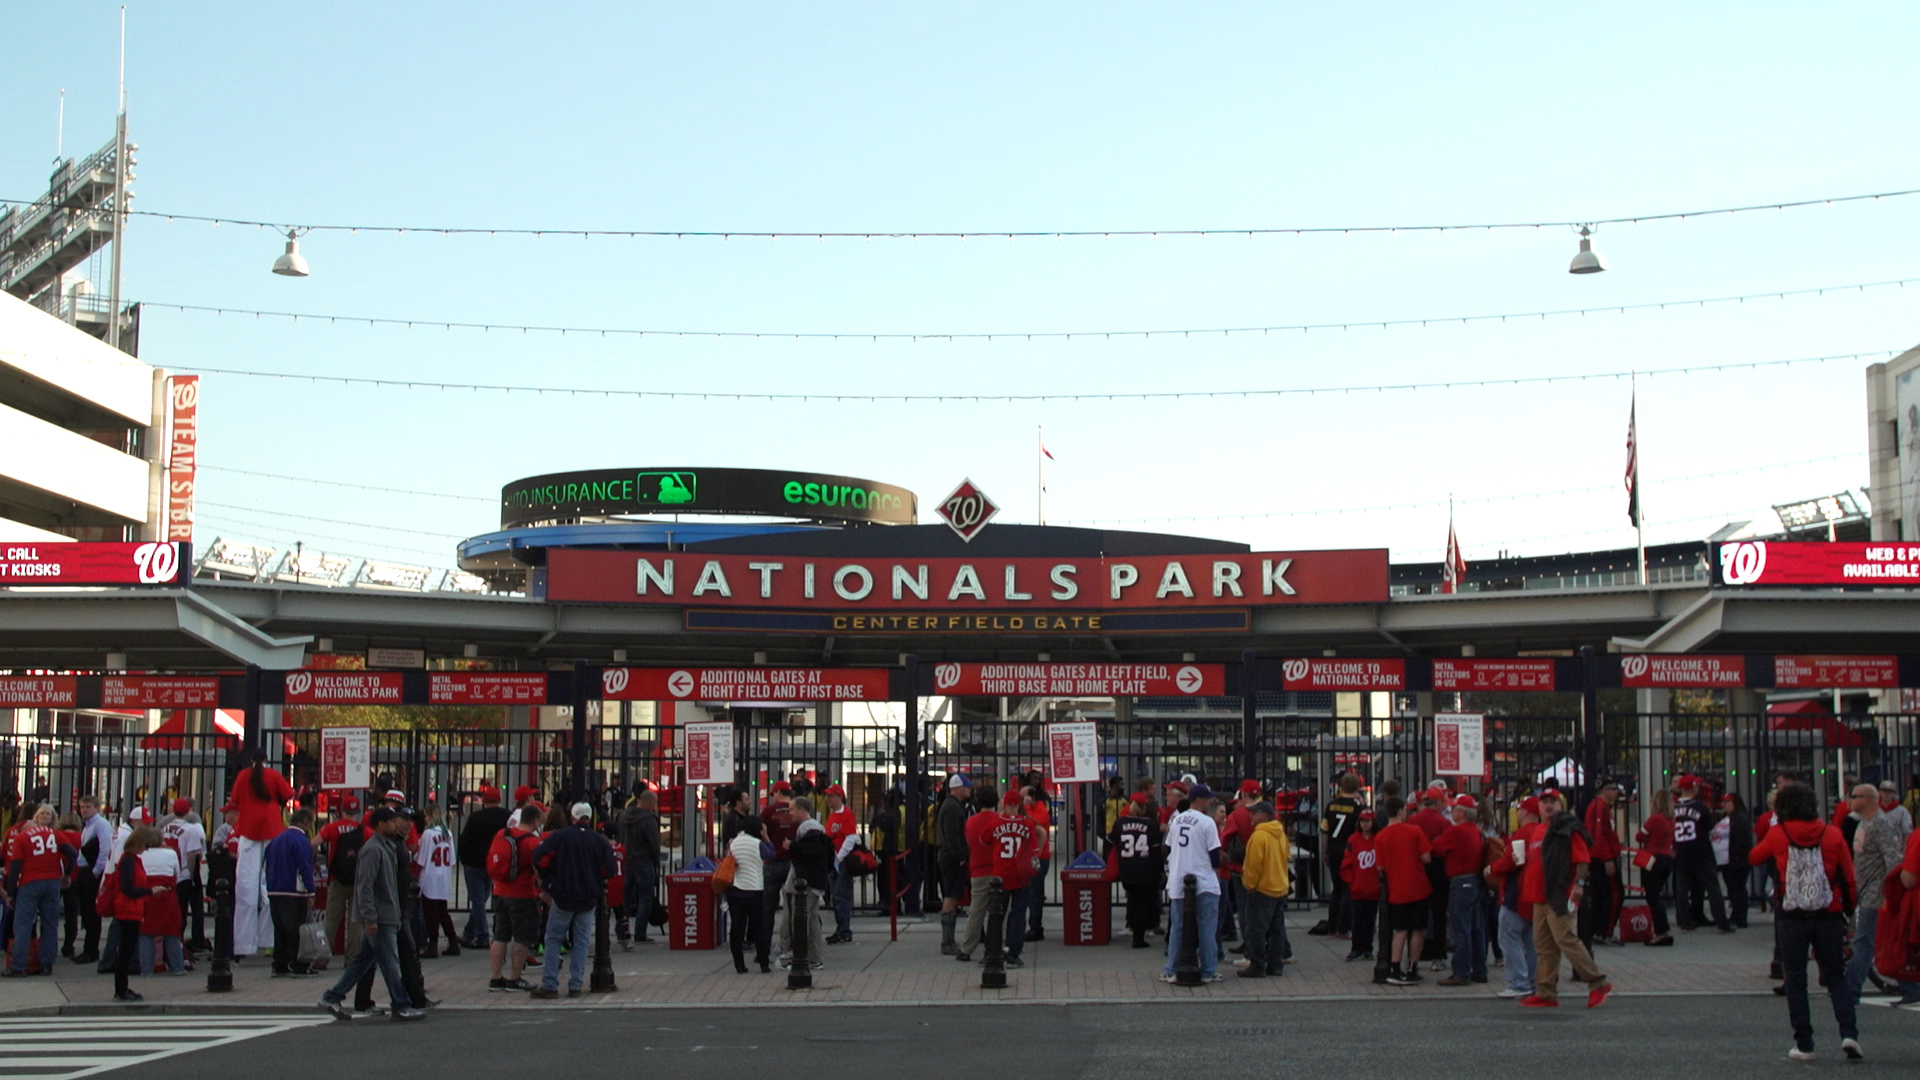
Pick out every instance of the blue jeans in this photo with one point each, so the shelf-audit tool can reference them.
(1516, 944)
(1466, 927)
(1866, 921)
(1824, 934)
(842, 902)
(1018, 901)
(1209, 905)
(479, 891)
(562, 925)
(170, 954)
(382, 948)
(36, 899)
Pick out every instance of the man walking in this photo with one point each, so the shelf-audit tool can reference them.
(1878, 845)
(951, 836)
(1553, 880)
(376, 907)
(1193, 850)
(574, 864)
(476, 837)
(1516, 915)
(1265, 884)
(811, 854)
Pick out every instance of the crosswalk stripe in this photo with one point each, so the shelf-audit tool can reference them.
(97, 1046)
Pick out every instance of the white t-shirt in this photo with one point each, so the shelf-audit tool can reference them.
(186, 839)
(1722, 839)
(161, 863)
(434, 859)
(1191, 835)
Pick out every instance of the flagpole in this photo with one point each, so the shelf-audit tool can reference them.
(1639, 509)
(1040, 472)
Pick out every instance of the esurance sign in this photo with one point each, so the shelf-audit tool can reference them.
(58, 563)
(1774, 562)
(1230, 580)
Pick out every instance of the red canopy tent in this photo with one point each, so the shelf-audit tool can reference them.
(1811, 715)
(229, 726)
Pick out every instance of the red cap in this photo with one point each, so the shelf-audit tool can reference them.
(1366, 815)
(350, 804)
(1011, 798)
(1530, 805)
(1141, 797)
(781, 787)
(139, 813)
(1179, 786)
(836, 789)
(395, 795)
(1688, 781)
(489, 796)
(1249, 787)
(182, 806)
(522, 793)
(1464, 802)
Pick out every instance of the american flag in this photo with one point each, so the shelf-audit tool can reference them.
(1454, 570)
(1633, 464)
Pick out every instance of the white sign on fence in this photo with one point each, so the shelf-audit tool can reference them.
(1460, 744)
(1074, 750)
(346, 757)
(708, 751)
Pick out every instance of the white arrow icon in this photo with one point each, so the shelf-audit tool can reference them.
(680, 684)
(1188, 680)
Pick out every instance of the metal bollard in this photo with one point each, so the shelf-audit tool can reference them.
(993, 975)
(1382, 938)
(1186, 963)
(601, 981)
(800, 974)
(220, 872)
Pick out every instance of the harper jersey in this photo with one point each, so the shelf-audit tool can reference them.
(187, 840)
(1136, 843)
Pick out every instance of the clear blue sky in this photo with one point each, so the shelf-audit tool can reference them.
(1016, 116)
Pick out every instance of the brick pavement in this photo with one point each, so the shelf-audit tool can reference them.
(873, 970)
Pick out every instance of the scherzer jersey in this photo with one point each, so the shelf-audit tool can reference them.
(186, 840)
(1192, 837)
(433, 864)
(1015, 850)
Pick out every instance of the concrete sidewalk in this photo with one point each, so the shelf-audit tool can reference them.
(874, 970)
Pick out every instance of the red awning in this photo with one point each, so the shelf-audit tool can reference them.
(1811, 715)
(228, 724)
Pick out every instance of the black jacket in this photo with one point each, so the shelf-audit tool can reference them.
(476, 836)
(953, 829)
(812, 857)
(640, 833)
(1556, 859)
(574, 864)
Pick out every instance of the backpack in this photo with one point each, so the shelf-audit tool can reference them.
(343, 854)
(503, 860)
(1807, 887)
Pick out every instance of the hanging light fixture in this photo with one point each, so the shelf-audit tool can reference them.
(291, 264)
(1588, 261)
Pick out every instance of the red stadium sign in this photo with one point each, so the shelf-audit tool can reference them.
(1831, 672)
(345, 687)
(63, 564)
(1329, 673)
(1779, 562)
(486, 688)
(159, 692)
(1090, 680)
(38, 691)
(988, 584)
(746, 684)
(1476, 674)
(1647, 670)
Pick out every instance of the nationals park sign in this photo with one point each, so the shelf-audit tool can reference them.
(985, 584)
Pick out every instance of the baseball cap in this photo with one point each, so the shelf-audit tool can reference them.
(1366, 815)
(1012, 797)
(581, 810)
(836, 789)
(959, 779)
(140, 813)
(1552, 793)
(395, 795)
(1199, 791)
(1141, 797)
(1889, 787)
(1688, 781)
(522, 793)
(781, 787)
(1464, 802)
(1530, 805)
(182, 806)
(1180, 786)
(351, 804)
(489, 795)
(1249, 787)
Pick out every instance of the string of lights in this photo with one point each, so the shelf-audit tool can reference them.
(1029, 335)
(1466, 500)
(344, 484)
(330, 521)
(979, 397)
(999, 234)
(251, 525)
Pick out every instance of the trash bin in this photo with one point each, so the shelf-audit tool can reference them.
(693, 911)
(1086, 900)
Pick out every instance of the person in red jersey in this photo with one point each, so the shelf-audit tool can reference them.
(259, 795)
(1462, 850)
(1815, 868)
(1360, 870)
(1552, 881)
(1603, 838)
(37, 862)
(1404, 852)
(1656, 841)
(979, 868)
(1013, 844)
(843, 831)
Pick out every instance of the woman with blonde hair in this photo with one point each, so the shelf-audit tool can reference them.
(1656, 840)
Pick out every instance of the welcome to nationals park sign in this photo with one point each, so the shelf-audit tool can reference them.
(1763, 671)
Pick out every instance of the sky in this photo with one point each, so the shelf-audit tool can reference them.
(982, 116)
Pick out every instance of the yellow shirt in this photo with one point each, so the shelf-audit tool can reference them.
(1268, 854)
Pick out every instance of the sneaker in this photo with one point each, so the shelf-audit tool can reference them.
(128, 995)
(544, 994)
(1401, 978)
(337, 1008)
(1797, 1054)
(1216, 977)
(817, 965)
(1414, 978)
(1510, 992)
(1167, 976)
(1851, 1048)
(1251, 973)
(1013, 962)
(408, 1013)
(576, 993)
(1598, 995)
(498, 985)
(516, 984)
(960, 956)
(1535, 1001)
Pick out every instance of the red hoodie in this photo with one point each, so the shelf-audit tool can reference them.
(1833, 851)
(1360, 869)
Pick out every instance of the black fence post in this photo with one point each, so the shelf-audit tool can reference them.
(220, 871)
(1249, 724)
(800, 970)
(250, 705)
(578, 781)
(1186, 962)
(1383, 937)
(1592, 728)
(602, 979)
(910, 755)
(993, 975)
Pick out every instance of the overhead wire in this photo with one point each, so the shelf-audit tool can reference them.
(345, 484)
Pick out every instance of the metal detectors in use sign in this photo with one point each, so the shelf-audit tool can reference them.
(1842, 672)
(1778, 562)
(1493, 674)
(486, 688)
(1460, 744)
(160, 692)
(346, 757)
(1073, 751)
(1089, 680)
(150, 563)
(746, 684)
(709, 752)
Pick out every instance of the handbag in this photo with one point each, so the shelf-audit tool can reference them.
(724, 873)
(315, 950)
(1643, 859)
(1636, 923)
